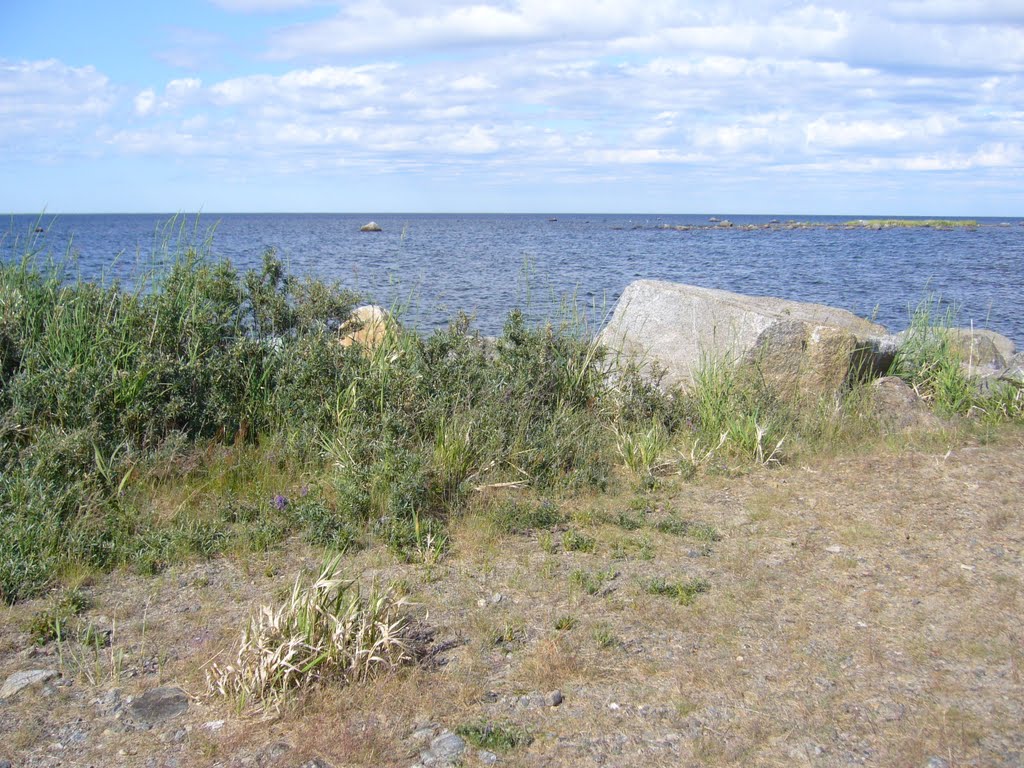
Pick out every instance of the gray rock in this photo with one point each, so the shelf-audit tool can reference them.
(17, 682)
(422, 736)
(272, 753)
(898, 408)
(553, 698)
(372, 226)
(487, 758)
(444, 750)
(1014, 371)
(802, 349)
(109, 704)
(936, 762)
(158, 704)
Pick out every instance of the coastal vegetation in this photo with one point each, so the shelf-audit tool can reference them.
(206, 411)
(197, 456)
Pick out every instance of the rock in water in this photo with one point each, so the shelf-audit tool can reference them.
(804, 350)
(17, 682)
(372, 226)
(159, 704)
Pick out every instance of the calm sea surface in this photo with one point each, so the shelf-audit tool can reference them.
(488, 264)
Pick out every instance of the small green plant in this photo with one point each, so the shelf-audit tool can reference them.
(500, 737)
(565, 623)
(605, 637)
(326, 630)
(640, 548)
(684, 592)
(735, 412)
(699, 531)
(53, 621)
(94, 657)
(642, 450)
(513, 516)
(625, 521)
(574, 541)
(511, 632)
(591, 582)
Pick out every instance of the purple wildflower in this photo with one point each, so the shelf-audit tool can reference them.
(280, 502)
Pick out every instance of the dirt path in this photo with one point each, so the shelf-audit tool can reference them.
(864, 610)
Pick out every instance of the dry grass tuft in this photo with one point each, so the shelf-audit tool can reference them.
(326, 630)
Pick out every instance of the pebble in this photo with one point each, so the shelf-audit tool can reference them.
(487, 758)
(835, 549)
(936, 762)
(553, 698)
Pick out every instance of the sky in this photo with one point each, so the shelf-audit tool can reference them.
(911, 107)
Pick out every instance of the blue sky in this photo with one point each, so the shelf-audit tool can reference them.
(911, 107)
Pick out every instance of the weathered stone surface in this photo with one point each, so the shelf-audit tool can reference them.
(366, 327)
(372, 226)
(17, 682)
(899, 408)
(1014, 371)
(802, 349)
(445, 750)
(158, 704)
(984, 348)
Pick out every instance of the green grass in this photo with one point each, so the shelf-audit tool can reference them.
(498, 737)
(591, 582)
(683, 592)
(574, 541)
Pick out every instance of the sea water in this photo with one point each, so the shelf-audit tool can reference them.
(432, 266)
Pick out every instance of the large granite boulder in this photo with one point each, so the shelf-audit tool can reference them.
(804, 350)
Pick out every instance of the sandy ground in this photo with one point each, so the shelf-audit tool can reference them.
(862, 610)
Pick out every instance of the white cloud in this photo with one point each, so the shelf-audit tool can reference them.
(45, 101)
(828, 132)
(145, 101)
(567, 89)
